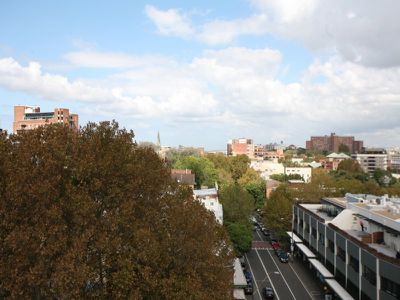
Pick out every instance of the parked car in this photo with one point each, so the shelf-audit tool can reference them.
(268, 293)
(266, 232)
(242, 261)
(248, 290)
(283, 257)
(276, 246)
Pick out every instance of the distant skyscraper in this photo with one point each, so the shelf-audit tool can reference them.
(30, 117)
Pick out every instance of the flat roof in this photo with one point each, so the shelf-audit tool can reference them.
(338, 289)
(296, 239)
(321, 268)
(307, 252)
(339, 201)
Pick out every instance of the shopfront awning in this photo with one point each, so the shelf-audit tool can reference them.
(307, 252)
(321, 268)
(338, 289)
(296, 239)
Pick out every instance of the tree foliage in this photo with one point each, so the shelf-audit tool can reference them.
(204, 169)
(241, 236)
(91, 215)
(237, 203)
(278, 210)
(239, 165)
(350, 165)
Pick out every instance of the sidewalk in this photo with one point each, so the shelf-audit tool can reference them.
(308, 278)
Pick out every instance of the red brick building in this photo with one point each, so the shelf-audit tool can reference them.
(240, 146)
(30, 117)
(332, 143)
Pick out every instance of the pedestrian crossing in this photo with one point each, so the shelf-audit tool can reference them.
(260, 245)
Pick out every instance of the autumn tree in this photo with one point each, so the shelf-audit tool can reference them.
(89, 215)
(350, 165)
(239, 165)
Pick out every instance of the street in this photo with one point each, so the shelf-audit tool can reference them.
(289, 280)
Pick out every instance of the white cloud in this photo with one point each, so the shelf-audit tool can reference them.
(235, 88)
(95, 59)
(169, 22)
(32, 80)
(364, 32)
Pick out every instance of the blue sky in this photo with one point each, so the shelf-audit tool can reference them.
(202, 72)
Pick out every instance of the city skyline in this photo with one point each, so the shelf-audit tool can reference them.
(201, 73)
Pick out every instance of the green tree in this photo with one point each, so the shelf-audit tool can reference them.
(204, 169)
(252, 182)
(278, 211)
(238, 204)
(240, 235)
(344, 149)
(90, 215)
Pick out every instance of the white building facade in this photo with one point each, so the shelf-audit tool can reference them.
(209, 198)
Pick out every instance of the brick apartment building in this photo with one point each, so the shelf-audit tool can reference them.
(333, 142)
(240, 146)
(30, 117)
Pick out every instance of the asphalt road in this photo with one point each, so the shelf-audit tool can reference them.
(289, 280)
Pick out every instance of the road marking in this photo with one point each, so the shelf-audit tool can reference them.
(302, 283)
(254, 277)
(290, 290)
(266, 272)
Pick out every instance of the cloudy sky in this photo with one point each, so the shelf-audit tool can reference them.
(203, 72)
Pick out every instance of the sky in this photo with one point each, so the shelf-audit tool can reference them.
(204, 72)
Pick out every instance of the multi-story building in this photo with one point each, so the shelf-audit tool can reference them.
(267, 168)
(30, 117)
(394, 160)
(304, 172)
(333, 143)
(372, 159)
(352, 244)
(333, 160)
(209, 198)
(240, 146)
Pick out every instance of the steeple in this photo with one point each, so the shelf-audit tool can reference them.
(158, 140)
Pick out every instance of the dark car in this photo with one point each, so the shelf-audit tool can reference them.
(283, 257)
(266, 232)
(242, 261)
(248, 290)
(268, 293)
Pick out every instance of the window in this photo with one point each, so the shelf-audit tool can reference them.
(390, 287)
(314, 232)
(331, 245)
(353, 262)
(307, 228)
(369, 275)
(341, 253)
(321, 239)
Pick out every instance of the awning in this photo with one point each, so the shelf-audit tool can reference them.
(239, 294)
(238, 277)
(307, 252)
(339, 290)
(294, 236)
(321, 269)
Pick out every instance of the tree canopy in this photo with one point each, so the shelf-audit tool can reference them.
(90, 215)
